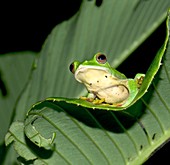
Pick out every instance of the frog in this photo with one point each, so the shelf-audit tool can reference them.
(105, 85)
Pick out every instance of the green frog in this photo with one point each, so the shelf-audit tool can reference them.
(105, 84)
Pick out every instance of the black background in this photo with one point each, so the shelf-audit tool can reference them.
(25, 26)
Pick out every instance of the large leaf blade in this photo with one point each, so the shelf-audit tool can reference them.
(130, 142)
(14, 76)
(72, 40)
(49, 64)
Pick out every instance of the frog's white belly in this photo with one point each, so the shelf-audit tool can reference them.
(113, 94)
(102, 84)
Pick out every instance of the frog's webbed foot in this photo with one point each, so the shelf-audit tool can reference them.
(102, 101)
(94, 100)
(87, 98)
(117, 104)
(90, 97)
(139, 79)
(98, 101)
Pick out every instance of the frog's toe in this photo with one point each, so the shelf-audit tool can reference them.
(139, 75)
(99, 101)
(87, 98)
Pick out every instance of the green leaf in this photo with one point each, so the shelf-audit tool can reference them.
(14, 75)
(153, 69)
(94, 136)
(16, 135)
(27, 151)
(72, 40)
(85, 135)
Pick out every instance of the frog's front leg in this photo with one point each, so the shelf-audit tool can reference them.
(91, 97)
(139, 79)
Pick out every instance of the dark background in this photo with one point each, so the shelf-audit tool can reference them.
(25, 26)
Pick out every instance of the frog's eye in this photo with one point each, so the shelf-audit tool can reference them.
(72, 68)
(101, 58)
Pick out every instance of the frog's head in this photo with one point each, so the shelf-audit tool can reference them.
(88, 70)
(99, 61)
